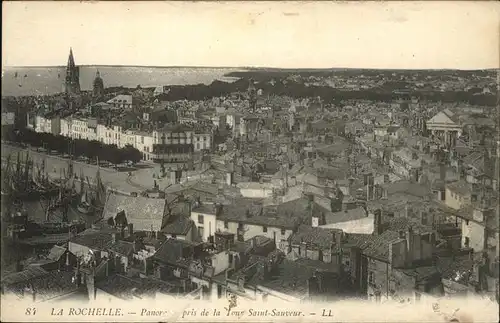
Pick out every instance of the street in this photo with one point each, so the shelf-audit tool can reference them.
(111, 178)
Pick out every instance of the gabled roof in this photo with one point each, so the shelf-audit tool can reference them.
(173, 250)
(178, 224)
(444, 117)
(56, 253)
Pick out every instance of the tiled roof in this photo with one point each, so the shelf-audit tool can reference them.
(344, 216)
(247, 211)
(56, 252)
(146, 214)
(407, 187)
(24, 275)
(460, 187)
(318, 265)
(94, 240)
(289, 278)
(121, 247)
(54, 284)
(321, 237)
(173, 250)
(379, 245)
(177, 224)
(457, 268)
(127, 288)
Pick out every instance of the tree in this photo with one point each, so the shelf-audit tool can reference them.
(113, 154)
(132, 154)
(94, 149)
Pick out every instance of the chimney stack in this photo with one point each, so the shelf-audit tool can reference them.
(131, 229)
(303, 249)
(442, 172)
(410, 247)
(229, 178)
(355, 255)
(377, 222)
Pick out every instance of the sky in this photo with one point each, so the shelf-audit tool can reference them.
(414, 35)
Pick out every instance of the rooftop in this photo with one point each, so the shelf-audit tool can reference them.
(127, 288)
(320, 237)
(95, 240)
(344, 216)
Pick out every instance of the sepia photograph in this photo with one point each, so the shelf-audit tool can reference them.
(250, 161)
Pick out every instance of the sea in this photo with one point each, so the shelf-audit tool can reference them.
(25, 81)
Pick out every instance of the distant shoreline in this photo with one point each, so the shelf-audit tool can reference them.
(265, 69)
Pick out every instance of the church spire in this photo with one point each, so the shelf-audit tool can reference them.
(71, 59)
(72, 84)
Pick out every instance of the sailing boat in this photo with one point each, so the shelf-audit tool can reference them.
(85, 205)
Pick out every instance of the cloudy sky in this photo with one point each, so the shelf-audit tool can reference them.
(460, 35)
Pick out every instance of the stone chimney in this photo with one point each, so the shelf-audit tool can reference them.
(377, 225)
(241, 283)
(229, 178)
(131, 229)
(410, 247)
(303, 249)
(355, 257)
(442, 172)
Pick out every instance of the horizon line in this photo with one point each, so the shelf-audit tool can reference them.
(248, 68)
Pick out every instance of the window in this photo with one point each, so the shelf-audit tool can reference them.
(467, 222)
(283, 231)
(226, 225)
(371, 278)
(424, 218)
(466, 242)
(264, 229)
(200, 219)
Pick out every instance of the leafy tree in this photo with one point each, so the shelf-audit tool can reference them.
(132, 154)
(94, 149)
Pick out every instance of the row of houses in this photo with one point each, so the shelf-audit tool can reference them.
(167, 142)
